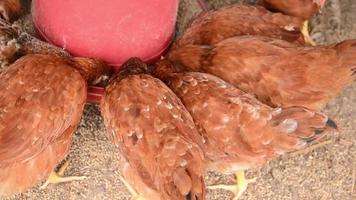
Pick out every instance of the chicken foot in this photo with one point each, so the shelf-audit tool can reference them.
(305, 32)
(134, 194)
(239, 188)
(58, 177)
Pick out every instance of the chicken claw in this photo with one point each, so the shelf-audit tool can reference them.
(134, 194)
(305, 32)
(237, 189)
(58, 177)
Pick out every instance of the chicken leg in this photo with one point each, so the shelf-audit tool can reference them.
(239, 188)
(57, 177)
(305, 32)
(134, 194)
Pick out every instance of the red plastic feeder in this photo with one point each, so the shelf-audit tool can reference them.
(111, 30)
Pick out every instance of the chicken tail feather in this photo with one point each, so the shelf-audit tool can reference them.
(347, 53)
(197, 190)
(297, 127)
(190, 57)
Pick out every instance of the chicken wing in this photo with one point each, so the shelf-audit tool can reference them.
(156, 135)
(278, 72)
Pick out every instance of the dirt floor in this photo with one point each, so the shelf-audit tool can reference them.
(327, 172)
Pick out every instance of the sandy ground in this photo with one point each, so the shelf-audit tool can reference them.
(325, 173)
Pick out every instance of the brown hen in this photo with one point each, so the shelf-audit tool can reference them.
(303, 9)
(156, 135)
(41, 103)
(214, 26)
(277, 72)
(10, 10)
(239, 131)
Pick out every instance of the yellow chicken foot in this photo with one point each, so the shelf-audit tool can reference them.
(239, 188)
(57, 177)
(134, 194)
(305, 32)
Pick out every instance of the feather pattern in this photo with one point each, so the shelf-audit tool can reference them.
(34, 108)
(216, 25)
(20, 176)
(41, 103)
(277, 72)
(9, 46)
(239, 131)
(155, 133)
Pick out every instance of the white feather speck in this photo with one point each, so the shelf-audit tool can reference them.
(159, 102)
(277, 111)
(289, 125)
(226, 119)
(169, 106)
(183, 163)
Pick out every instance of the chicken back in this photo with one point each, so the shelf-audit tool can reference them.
(41, 103)
(156, 135)
(40, 106)
(278, 72)
(216, 25)
(239, 131)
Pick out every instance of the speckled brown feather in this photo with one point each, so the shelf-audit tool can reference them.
(278, 72)
(41, 103)
(9, 46)
(155, 133)
(298, 8)
(15, 43)
(213, 26)
(10, 10)
(240, 132)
